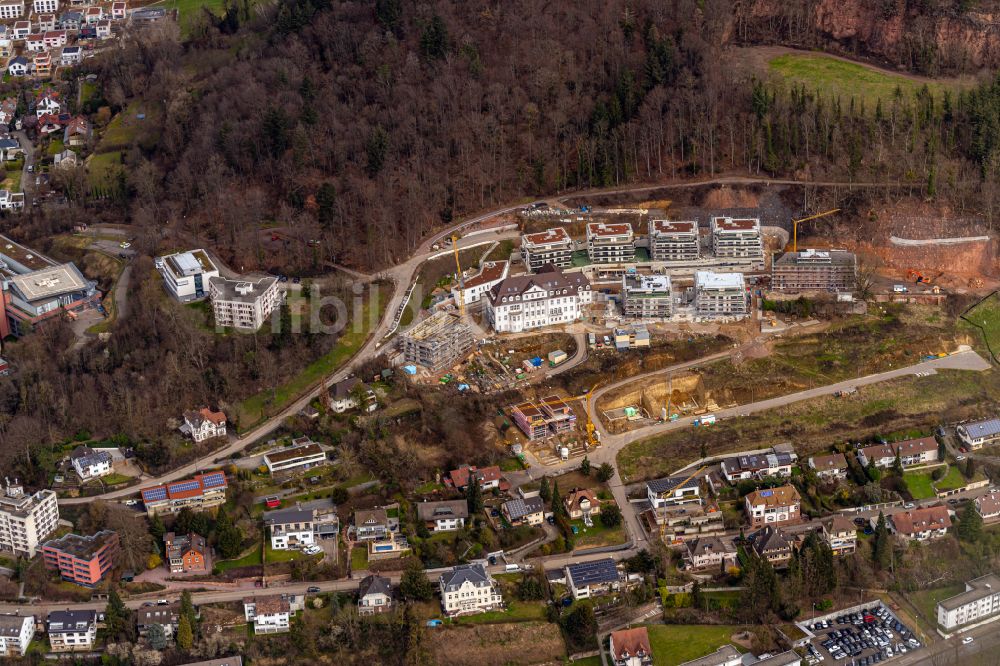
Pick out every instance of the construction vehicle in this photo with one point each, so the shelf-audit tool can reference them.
(461, 278)
(593, 439)
(796, 223)
(918, 277)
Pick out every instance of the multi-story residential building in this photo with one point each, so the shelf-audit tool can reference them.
(18, 65)
(167, 616)
(582, 503)
(979, 602)
(610, 242)
(303, 525)
(910, 452)
(371, 524)
(245, 303)
(552, 416)
(833, 466)
(673, 490)
(30, 299)
(438, 342)
(186, 274)
(921, 524)
(16, 632)
(71, 630)
(490, 478)
(119, 10)
(772, 545)
(46, 23)
(34, 43)
(46, 6)
(53, 39)
(103, 29)
(678, 524)
(204, 424)
(758, 466)
(90, 464)
(710, 552)
(11, 9)
(21, 28)
(647, 296)
(26, 520)
(737, 238)
(590, 579)
(374, 595)
(772, 506)
(720, 294)
(200, 492)
(443, 516)
(306, 454)
(977, 434)
(552, 246)
(988, 506)
(270, 615)
(491, 274)
(83, 560)
(71, 55)
(186, 553)
(674, 241)
(92, 15)
(527, 511)
(468, 589)
(630, 647)
(814, 270)
(41, 65)
(548, 298)
(70, 20)
(840, 534)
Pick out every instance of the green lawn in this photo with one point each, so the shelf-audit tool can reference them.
(517, 611)
(598, 535)
(674, 644)
(88, 91)
(102, 169)
(250, 559)
(272, 556)
(56, 146)
(835, 77)
(956, 479)
(985, 317)
(919, 484)
(186, 8)
(428, 488)
(359, 558)
(114, 479)
(256, 408)
(926, 600)
(511, 464)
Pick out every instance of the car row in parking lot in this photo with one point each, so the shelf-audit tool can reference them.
(867, 636)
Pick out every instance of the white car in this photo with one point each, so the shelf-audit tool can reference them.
(966, 640)
(125, 245)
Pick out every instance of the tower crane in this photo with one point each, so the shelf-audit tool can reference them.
(796, 223)
(461, 277)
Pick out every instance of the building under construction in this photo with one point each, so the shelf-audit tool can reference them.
(437, 342)
(549, 417)
(814, 270)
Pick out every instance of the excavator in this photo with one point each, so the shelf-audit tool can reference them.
(593, 440)
(918, 277)
(796, 223)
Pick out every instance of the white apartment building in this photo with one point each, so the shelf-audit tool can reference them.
(977, 434)
(673, 490)
(552, 246)
(671, 240)
(12, 10)
(443, 516)
(492, 273)
(720, 294)
(71, 630)
(46, 6)
(647, 296)
(468, 589)
(16, 632)
(610, 243)
(737, 238)
(981, 600)
(90, 464)
(26, 520)
(243, 304)
(303, 525)
(270, 615)
(186, 274)
(527, 302)
(305, 454)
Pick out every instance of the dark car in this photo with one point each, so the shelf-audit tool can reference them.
(312, 590)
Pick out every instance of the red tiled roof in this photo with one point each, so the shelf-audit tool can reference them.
(491, 272)
(630, 642)
(921, 520)
(736, 224)
(604, 229)
(672, 226)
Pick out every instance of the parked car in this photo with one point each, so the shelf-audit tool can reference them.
(312, 590)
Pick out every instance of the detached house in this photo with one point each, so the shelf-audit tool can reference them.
(270, 615)
(468, 589)
(841, 535)
(830, 467)
(70, 55)
(930, 522)
(47, 103)
(167, 616)
(773, 506)
(489, 477)
(187, 553)
(71, 630)
(374, 595)
(758, 466)
(303, 525)
(119, 10)
(773, 545)
(594, 578)
(344, 396)
(446, 516)
(988, 506)
(204, 424)
(673, 490)
(18, 66)
(46, 22)
(21, 29)
(90, 464)
(582, 504)
(41, 65)
(630, 647)
(93, 14)
(34, 42)
(103, 29)
(977, 434)
(53, 39)
(77, 132)
(371, 524)
(710, 552)
(527, 511)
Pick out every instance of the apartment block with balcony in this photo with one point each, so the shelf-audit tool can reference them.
(814, 270)
(647, 297)
(186, 274)
(738, 239)
(720, 294)
(610, 243)
(84, 560)
(438, 342)
(16, 632)
(980, 602)
(674, 241)
(26, 520)
(244, 304)
(71, 630)
(528, 302)
(552, 246)
(200, 492)
(270, 615)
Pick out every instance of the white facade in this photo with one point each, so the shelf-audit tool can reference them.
(525, 303)
(16, 633)
(673, 241)
(305, 456)
(981, 600)
(736, 238)
(720, 294)
(979, 433)
(186, 274)
(71, 631)
(204, 424)
(476, 287)
(270, 615)
(93, 466)
(46, 6)
(11, 10)
(243, 304)
(26, 520)
(467, 589)
(610, 243)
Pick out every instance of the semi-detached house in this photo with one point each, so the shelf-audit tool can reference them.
(911, 452)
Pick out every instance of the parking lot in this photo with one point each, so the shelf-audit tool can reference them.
(867, 636)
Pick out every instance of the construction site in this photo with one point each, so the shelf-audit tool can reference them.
(658, 399)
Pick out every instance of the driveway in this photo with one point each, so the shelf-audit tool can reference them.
(27, 179)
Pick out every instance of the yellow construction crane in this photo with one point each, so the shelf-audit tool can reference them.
(591, 428)
(461, 277)
(796, 223)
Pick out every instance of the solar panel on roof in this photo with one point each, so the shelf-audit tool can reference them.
(184, 486)
(153, 494)
(214, 479)
(766, 493)
(599, 571)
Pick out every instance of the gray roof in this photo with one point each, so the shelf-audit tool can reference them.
(723, 655)
(165, 615)
(984, 428)
(757, 462)
(548, 278)
(235, 660)
(10, 625)
(770, 539)
(672, 483)
(789, 658)
(446, 510)
(88, 456)
(70, 621)
(982, 587)
(473, 573)
(285, 516)
(7, 144)
(594, 572)
(343, 388)
(710, 544)
(374, 585)
(519, 508)
(19, 60)
(244, 290)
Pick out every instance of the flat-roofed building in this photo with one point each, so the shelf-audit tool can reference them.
(647, 296)
(438, 342)
(814, 270)
(673, 490)
(83, 560)
(26, 520)
(491, 274)
(186, 274)
(552, 246)
(16, 632)
(720, 294)
(977, 434)
(726, 655)
(305, 454)
(772, 506)
(32, 298)
(737, 238)
(673, 240)
(11, 9)
(979, 602)
(610, 242)
(245, 303)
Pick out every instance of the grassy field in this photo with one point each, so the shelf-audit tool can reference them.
(123, 128)
(103, 168)
(835, 77)
(955, 479)
(186, 8)
(985, 319)
(674, 644)
(258, 407)
(517, 611)
(250, 559)
(900, 404)
(598, 535)
(512, 644)
(359, 558)
(926, 600)
(919, 484)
